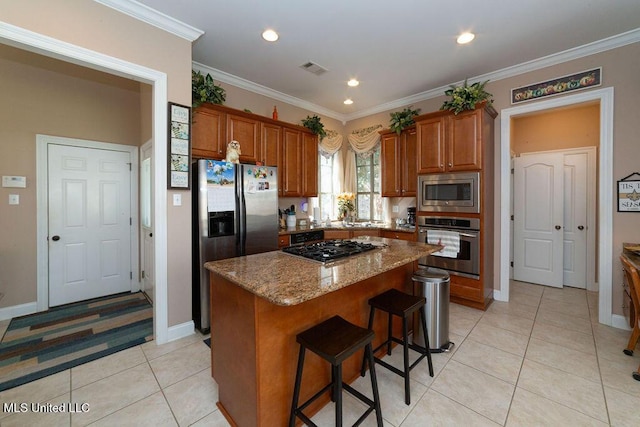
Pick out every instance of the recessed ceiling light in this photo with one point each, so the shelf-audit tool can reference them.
(353, 83)
(348, 101)
(270, 35)
(465, 38)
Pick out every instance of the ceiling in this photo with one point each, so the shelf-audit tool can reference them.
(398, 50)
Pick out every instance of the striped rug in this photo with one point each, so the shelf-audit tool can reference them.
(42, 344)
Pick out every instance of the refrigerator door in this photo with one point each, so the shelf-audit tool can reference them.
(258, 209)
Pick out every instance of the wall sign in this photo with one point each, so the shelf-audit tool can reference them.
(179, 147)
(557, 86)
(629, 194)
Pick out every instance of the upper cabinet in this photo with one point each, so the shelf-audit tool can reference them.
(452, 143)
(291, 148)
(398, 162)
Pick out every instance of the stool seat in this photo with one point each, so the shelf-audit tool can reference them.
(403, 305)
(397, 303)
(335, 339)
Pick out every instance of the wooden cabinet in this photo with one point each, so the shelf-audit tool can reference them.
(246, 131)
(291, 184)
(449, 142)
(374, 232)
(336, 234)
(399, 165)
(208, 139)
(400, 235)
(271, 144)
(309, 165)
(283, 240)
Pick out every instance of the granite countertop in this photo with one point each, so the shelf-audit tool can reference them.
(632, 255)
(285, 279)
(339, 226)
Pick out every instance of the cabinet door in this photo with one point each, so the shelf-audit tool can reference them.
(464, 142)
(271, 147)
(408, 156)
(291, 163)
(247, 132)
(336, 234)
(431, 150)
(389, 234)
(207, 139)
(389, 165)
(309, 165)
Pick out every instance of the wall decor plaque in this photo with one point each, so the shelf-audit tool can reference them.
(179, 147)
(629, 194)
(578, 81)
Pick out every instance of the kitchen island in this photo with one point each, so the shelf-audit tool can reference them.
(259, 303)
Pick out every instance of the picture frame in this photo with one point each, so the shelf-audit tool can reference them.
(179, 147)
(578, 81)
(629, 194)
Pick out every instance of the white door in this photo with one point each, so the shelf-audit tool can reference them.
(538, 216)
(146, 218)
(89, 223)
(575, 220)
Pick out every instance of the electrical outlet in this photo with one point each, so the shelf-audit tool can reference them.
(177, 200)
(395, 209)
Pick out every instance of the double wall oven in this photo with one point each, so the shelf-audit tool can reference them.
(440, 197)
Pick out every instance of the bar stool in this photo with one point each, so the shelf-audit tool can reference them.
(397, 303)
(335, 340)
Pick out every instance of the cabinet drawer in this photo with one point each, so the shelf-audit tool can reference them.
(411, 237)
(283, 241)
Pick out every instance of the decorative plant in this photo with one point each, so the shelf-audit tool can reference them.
(466, 97)
(402, 119)
(315, 125)
(204, 89)
(346, 204)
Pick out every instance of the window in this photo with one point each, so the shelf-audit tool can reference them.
(326, 199)
(368, 200)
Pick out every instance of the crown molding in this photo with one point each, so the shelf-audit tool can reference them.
(151, 16)
(263, 90)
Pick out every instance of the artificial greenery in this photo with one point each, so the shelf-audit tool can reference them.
(315, 125)
(466, 97)
(402, 119)
(204, 89)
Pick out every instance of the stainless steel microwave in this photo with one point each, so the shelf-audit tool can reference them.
(449, 192)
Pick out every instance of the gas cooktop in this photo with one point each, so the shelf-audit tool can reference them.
(329, 250)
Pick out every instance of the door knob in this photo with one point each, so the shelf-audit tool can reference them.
(55, 238)
(558, 227)
(150, 234)
(581, 227)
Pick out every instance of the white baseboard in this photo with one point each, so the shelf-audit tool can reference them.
(180, 331)
(497, 295)
(620, 322)
(17, 310)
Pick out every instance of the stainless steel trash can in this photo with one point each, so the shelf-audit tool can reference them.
(433, 284)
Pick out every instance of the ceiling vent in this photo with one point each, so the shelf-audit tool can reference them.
(313, 68)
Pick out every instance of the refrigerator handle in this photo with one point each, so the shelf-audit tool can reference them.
(241, 218)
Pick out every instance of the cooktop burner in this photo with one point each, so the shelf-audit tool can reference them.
(329, 250)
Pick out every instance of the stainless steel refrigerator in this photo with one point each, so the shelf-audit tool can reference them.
(235, 213)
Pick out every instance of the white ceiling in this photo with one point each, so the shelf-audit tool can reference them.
(397, 49)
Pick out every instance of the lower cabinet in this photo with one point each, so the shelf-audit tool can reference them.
(400, 235)
(283, 241)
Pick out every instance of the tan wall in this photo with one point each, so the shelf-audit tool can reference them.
(101, 29)
(563, 128)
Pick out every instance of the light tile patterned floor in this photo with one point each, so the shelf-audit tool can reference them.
(541, 359)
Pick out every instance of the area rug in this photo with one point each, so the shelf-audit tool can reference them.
(46, 343)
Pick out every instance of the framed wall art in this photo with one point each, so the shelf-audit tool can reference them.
(557, 86)
(629, 194)
(179, 147)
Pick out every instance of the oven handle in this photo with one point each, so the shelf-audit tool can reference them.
(422, 230)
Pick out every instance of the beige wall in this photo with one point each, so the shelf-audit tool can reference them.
(101, 29)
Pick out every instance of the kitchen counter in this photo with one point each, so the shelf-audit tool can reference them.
(285, 279)
(259, 303)
(339, 226)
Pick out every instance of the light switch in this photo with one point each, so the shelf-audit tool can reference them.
(395, 209)
(14, 199)
(177, 200)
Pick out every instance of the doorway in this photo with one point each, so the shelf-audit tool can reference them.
(604, 185)
(87, 207)
(554, 218)
(146, 221)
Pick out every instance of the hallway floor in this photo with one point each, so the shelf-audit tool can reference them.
(540, 359)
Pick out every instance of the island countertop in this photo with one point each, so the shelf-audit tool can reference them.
(287, 280)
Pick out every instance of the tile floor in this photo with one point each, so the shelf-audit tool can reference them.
(541, 359)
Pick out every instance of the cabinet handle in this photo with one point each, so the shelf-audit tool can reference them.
(450, 164)
(441, 166)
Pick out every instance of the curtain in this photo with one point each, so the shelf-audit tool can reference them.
(362, 142)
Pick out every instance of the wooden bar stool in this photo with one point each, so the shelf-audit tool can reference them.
(403, 305)
(335, 340)
(633, 280)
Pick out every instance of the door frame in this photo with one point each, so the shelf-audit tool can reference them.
(42, 207)
(605, 184)
(141, 235)
(592, 154)
(54, 48)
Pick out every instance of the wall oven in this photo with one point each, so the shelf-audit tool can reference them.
(449, 192)
(467, 261)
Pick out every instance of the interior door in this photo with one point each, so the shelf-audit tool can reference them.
(146, 225)
(89, 223)
(538, 215)
(575, 220)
